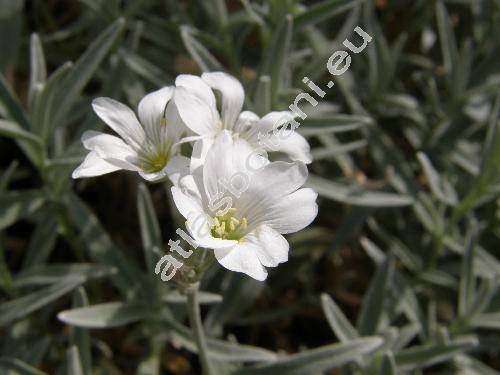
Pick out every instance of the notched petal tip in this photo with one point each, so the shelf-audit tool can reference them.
(156, 177)
(258, 277)
(76, 174)
(307, 159)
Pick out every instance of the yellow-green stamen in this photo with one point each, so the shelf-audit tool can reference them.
(156, 163)
(227, 227)
(154, 159)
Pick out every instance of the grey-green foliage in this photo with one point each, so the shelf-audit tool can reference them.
(407, 160)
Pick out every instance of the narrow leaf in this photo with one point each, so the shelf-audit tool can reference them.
(487, 321)
(205, 60)
(47, 102)
(12, 130)
(101, 248)
(483, 296)
(204, 298)
(469, 365)
(337, 320)
(49, 274)
(239, 293)
(449, 48)
(405, 335)
(144, 68)
(22, 306)
(373, 301)
(11, 27)
(388, 365)
(317, 360)
(42, 241)
(12, 105)
(17, 205)
(150, 229)
(86, 66)
(7, 175)
(309, 131)
(356, 195)
(263, 96)
(467, 285)
(439, 186)
(218, 349)
(80, 337)
(322, 11)
(327, 152)
(38, 73)
(340, 120)
(105, 315)
(18, 367)
(73, 362)
(275, 61)
(428, 355)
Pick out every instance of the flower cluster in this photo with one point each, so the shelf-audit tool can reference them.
(236, 196)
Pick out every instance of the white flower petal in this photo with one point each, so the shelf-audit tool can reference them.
(110, 148)
(197, 221)
(93, 166)
(232, 92)
(272, 246)
(294, 145)
(273, 120)
(226, 164)
(177, 168)
(196, 86)
(188, 139)
(121, 119)
(187, 205)
(189, 187)
(175, 127)
(155, 176)
(151, 109)
(204, 94)
(246, 120)
(279, 178)
(242, 257)
(196, 113)
(200, 150)
(267, 186)
(292, 212)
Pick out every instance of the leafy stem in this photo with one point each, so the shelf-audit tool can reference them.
(193, 308)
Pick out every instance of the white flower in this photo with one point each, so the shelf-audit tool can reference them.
(197, 107)
(244, 224)
(146, 147)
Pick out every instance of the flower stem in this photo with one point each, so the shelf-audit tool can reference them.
(193, 308)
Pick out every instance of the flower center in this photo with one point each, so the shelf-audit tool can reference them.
(154, 159)
(154, 153)
(227, 227)
(155, 163)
